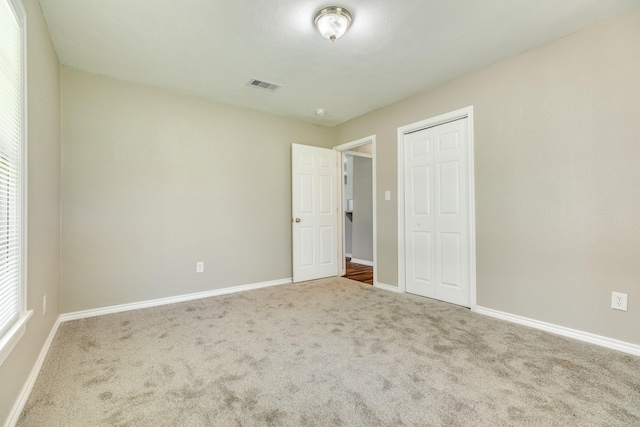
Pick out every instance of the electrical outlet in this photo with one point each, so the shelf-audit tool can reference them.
(44, 305)
(199, 267)
(619, 301)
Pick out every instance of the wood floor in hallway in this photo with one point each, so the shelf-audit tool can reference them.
(361, 273)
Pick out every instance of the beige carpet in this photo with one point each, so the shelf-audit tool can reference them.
(327, 353)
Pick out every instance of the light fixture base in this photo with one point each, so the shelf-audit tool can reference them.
(332, 22)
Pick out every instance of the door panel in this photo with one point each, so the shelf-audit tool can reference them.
(419, 219)
(421, 183)
(450, 259)
(449, 175)
(314, 175)
(307, 245)
(452, 223)
(437, 204)
(326, 194)
(326, 245)
(306, 194)
(422, 248)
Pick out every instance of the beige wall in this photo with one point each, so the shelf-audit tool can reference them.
(43, 204)
(153, 182)
(557, 138)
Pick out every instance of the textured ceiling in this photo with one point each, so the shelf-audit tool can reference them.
(394, 49)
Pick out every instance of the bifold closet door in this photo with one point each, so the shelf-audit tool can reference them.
(437, 213)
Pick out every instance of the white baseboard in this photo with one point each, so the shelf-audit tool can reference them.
(347, 255)
(387, 287)
(18, 406)
(362, 261)
(169, 300)
(564, 331)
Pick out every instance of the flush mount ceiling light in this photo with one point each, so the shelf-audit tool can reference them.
(332, 22)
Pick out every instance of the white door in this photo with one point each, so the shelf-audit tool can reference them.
(315, 212)
(437, 213)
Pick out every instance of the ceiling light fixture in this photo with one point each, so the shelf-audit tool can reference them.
(332, 22)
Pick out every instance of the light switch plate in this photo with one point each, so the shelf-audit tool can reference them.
(387, 195)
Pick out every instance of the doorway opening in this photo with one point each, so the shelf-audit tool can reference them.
(358, 272)
(357, 216)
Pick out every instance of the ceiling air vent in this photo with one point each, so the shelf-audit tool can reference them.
(272, 87)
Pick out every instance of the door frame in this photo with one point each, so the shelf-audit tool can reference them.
(462, 113)
(345, 149)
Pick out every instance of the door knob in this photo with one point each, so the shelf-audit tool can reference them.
(298, 220)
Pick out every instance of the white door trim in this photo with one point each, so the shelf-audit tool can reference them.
(413, 127)
(343, 148)
(358, 154)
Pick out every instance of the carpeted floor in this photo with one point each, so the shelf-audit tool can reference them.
(332, 352)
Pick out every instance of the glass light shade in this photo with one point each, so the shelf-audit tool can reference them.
(332, 22)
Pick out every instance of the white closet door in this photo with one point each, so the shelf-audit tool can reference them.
(437, 213)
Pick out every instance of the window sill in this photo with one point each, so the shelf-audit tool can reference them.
(13, 335)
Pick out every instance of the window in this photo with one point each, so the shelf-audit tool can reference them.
(13, 314)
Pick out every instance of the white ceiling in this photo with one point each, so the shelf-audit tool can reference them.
(394, 48)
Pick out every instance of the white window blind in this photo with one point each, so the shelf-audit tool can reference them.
(11, 146)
